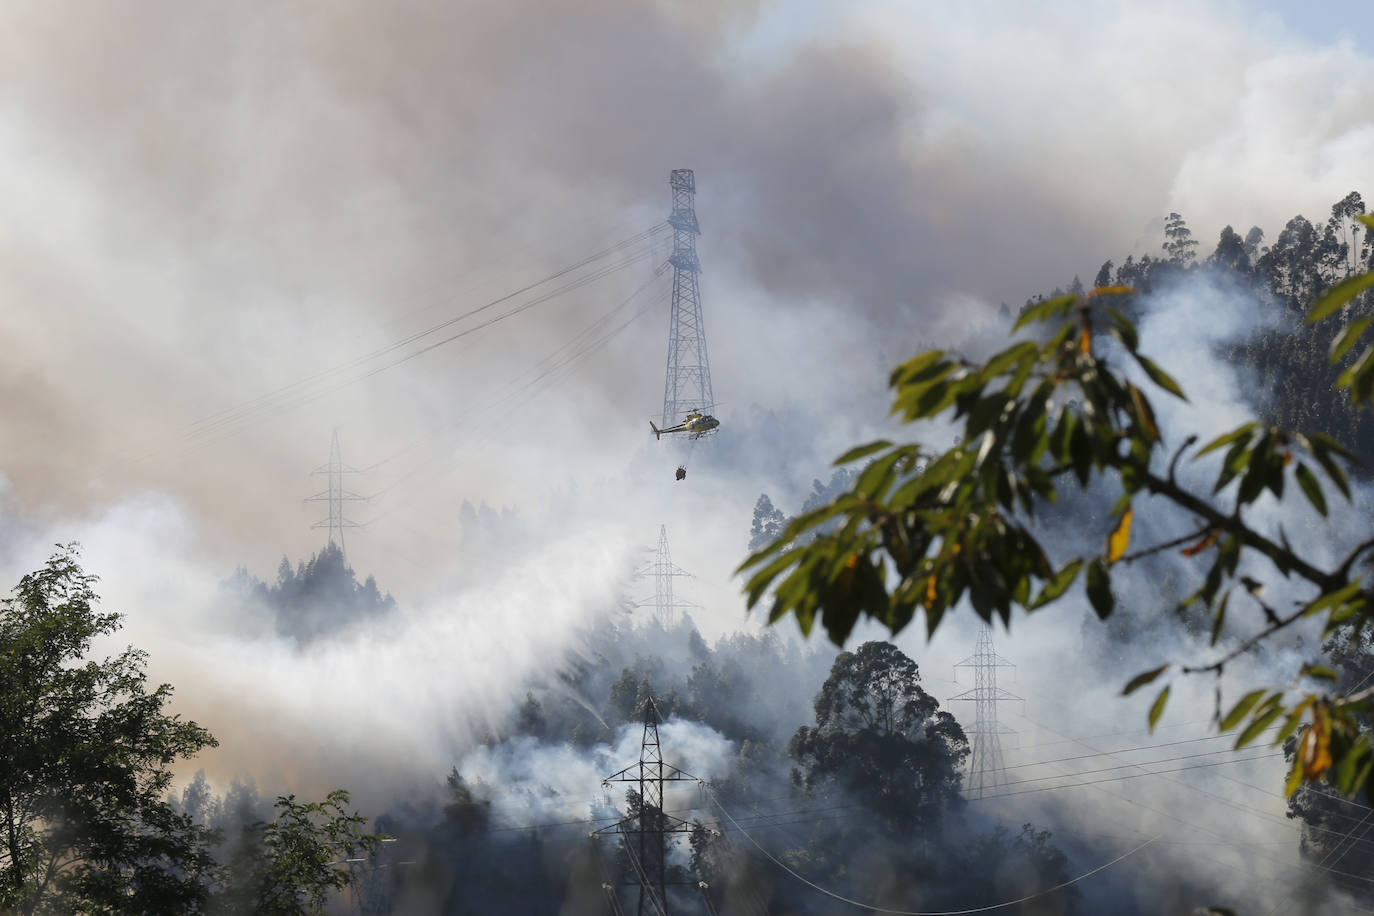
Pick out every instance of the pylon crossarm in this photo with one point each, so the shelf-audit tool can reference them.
(670, 825)
(986, 693)
(669, 773)
(327, 495)
(996, 662)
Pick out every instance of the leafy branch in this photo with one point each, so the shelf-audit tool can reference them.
(917, 537)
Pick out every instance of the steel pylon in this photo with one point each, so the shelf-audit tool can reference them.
(336, 496)
(645, 836)
(986, 769)
(688, 383)
(664, 603)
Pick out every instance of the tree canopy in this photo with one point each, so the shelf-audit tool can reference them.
(881, 738)
(85, 754)
(86, 750)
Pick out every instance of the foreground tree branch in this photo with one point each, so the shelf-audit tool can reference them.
(920, 538)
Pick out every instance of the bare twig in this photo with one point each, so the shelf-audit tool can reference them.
(1344, 569)
(1278, 623)
(1283, 558)
(1173, 462)
(1176, 542)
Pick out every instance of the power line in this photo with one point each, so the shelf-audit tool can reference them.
(533, 387)
(581, 349)
(964, 912)
(1126, 750)
(1269, 818)
(224, 415)
(231, 421)
(1093, 782)
(232, 425)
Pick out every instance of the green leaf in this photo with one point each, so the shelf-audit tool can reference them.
(1320, 672)
(1263, 721)
(1009, 357)
(1225, 439)
(1160, 377)
(1311, 488)
(1080, 453)
(877, 477)
(1058, 585)
(1362, 380)
(1237, 459)
(1349, 774)
(1122, 328)
(1062, 438)
(1140, 680)
(862, 451)
(1045, 310)
(1157, 708)
(1241, 709)
(1100, 588)
(1322, 443)
(1290, 725)
(1332, 599)
(1333, 471)
(1256, 473)
(1355, 370)
(925, 367)
(1219, 617)
(1339, 295)
(1348, 337)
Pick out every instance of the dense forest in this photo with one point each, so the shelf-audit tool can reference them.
(320, 595)
(1287, 355)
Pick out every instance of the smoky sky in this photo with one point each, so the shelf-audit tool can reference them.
(209, 203)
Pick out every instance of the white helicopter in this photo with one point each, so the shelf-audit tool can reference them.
(696, 424)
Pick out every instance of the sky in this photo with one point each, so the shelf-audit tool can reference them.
(221, 214)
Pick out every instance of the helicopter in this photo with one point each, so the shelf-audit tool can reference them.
(696, 424)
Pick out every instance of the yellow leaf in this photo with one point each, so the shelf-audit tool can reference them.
(930, 593)
(1142, 409)
(1314, 751)
(1085, 340)
(1120, 539)
(1294, 779)
(1111, 291)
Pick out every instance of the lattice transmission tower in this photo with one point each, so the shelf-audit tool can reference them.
(688, 383)
(645, 832)
(664, 571)
(986, 768)
(336, 496)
